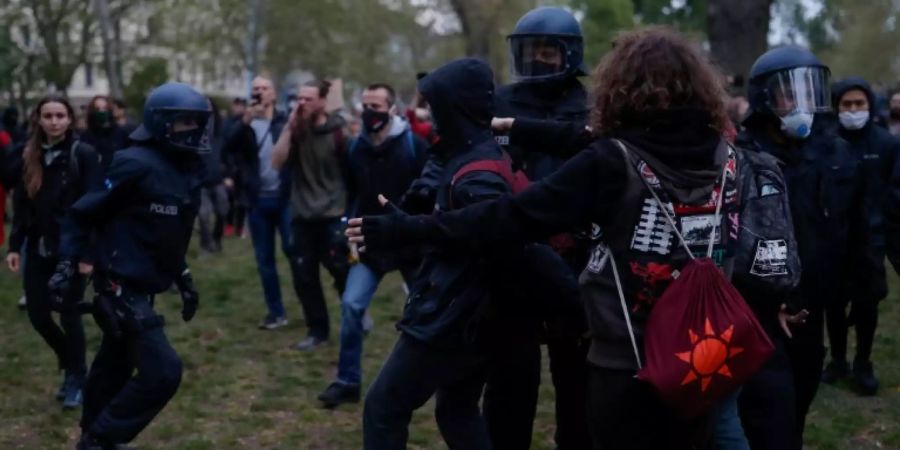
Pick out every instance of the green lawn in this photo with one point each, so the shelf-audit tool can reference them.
(247, 389)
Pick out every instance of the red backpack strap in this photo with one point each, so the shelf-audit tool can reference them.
(500, 168)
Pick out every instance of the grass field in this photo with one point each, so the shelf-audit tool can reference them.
(247, 389)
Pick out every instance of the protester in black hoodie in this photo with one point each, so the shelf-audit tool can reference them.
(456, 314)
(56, 170)
(102, 131)
(675, 129)
(877, 152)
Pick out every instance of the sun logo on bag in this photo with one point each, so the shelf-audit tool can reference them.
(709, 355)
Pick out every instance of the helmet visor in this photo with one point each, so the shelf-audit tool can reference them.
(805, 89)
(189, 129)
(536, 58)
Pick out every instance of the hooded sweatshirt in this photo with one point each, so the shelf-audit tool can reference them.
(319, 172)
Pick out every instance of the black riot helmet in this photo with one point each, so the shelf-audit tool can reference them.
(789, 78)
(546, 45)
(169, 104)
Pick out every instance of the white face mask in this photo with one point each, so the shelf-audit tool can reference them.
(854, 120)
(797, 124)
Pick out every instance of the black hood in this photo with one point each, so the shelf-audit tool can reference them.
(848, 84)
(461, 96)
(681, 146)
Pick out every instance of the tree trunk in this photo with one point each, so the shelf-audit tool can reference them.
(101, 8)
(738, 33)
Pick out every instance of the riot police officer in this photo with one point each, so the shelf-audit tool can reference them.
(544, 113)
(789, 98)
(141, 223)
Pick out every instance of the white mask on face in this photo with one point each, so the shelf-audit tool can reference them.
(797, 124)
(854, 120)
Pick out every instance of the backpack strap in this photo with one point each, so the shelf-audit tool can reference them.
(662, 206)
(74, 164)
(498, 167)
(634, 346)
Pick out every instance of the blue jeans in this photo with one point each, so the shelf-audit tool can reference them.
(266, 216)
(361, 285)
(362, 282)
(728, 433)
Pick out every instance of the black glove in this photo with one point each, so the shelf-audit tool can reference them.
(393, 229)
(190, 299)
(61, 281)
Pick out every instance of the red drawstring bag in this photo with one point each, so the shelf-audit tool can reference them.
(701, 340)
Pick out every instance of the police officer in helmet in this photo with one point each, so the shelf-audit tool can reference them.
(543, 115)
(142, 223)
(789, 100)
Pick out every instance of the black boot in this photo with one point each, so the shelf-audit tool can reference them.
(89, 442)
(834, 371)
(339, 393)
(63, 388)
(865, 379)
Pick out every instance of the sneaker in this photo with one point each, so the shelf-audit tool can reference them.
(865, 379)
(834, 371)
(73, 396)
(22, 302)
(63, 388)
(271, 322)
(310, 343)
(339, 393)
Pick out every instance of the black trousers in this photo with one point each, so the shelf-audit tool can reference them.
(806, 351)
(119, 403)
(67, 342)
(511, 395)
(410, 376)
(863, 316)
(768, 404)
(625, 413)
(318, 242)
(569, 371)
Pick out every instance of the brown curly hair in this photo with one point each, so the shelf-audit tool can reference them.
(655, 69)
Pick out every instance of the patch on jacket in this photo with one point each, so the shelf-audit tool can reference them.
(599, 258)
(771, 258)
(768, 189)
(652, 232)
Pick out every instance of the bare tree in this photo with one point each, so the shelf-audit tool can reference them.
(65, 29)
(738, 32)
(110, 50)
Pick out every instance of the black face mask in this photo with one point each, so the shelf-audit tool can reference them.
(895, 113)
(99, 119)
(375, 121)
(542, 69)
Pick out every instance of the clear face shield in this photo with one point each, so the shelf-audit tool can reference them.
(796, 95)
(805, 89)
(538, 58)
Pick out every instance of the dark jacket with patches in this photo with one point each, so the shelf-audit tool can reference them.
(825, 186)
(877, 151)
(63, 182)
(549, 126)
(143, 218)
(241, 147)
(458, 298)
(600, 185)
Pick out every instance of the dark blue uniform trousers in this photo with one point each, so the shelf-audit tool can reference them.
(117, 405)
